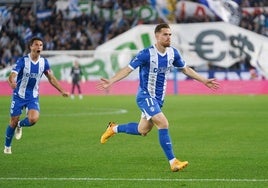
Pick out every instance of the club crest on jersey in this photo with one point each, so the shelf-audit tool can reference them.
(152, 109)
(170, 62)
(41, 69)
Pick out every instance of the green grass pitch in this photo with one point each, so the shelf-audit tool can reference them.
(224, 138)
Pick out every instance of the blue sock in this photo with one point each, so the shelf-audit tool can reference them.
(130, 128)
(9, 135)
(165, 143)
(25, 123)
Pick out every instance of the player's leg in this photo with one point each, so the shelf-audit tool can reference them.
(32, 111)
(78, 88)
(15, 112)
(79, 91)
(145, 126)
(133, 128)
(73, 88)
(162, 124)
(10, 130)
(142, 128)
(163, 133)
(32, 117)
(113, 128)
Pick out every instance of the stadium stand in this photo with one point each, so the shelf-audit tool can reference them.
(20, 20)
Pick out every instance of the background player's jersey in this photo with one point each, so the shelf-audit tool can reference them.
(154, 68)
(76, 73)
(29, 74)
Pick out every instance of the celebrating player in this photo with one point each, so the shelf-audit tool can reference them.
(154, 64)
(24, 79)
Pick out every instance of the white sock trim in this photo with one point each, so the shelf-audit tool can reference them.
(18, 125)
(172, 161)
(115, 129)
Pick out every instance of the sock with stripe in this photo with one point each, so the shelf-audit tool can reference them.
(165, 143)
(129, 128)
(25, 123)
(9, 135)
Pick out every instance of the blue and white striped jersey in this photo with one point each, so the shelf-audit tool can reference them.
(154, 68)
(29, 74)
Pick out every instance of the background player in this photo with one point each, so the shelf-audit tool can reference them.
(76, 73)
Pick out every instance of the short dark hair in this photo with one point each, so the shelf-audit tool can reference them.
(34, 39)
(161, 26)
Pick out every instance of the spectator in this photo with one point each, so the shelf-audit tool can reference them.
(6, 56)
(4, 40)
(91, 29)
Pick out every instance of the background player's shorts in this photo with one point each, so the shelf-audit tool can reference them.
(18, 104)
(148, 105)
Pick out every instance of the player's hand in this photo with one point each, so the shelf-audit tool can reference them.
(104, 84)
(65, 94)
(212, 84)
(13, 85)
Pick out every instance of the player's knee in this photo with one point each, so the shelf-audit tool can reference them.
(14, 123)
(144, 132)
(32, 121)
(162, 126)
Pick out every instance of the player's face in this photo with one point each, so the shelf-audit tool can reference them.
(37, 46)
(164, 37)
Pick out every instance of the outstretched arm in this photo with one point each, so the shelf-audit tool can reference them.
(106, 83)
(210, 83)
(54, 82)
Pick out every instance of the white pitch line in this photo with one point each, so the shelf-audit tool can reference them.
(134, 179)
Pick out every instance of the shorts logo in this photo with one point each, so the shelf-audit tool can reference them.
(152, 109)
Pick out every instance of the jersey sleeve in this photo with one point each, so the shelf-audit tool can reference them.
(139, 59)
(47, 66)
(18, 65)
(178, 60)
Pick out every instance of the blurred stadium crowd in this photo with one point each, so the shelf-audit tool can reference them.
(87, 31)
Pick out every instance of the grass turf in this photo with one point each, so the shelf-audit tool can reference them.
(224, 138)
